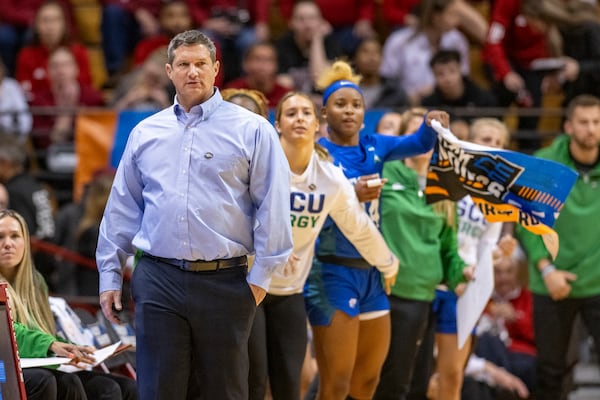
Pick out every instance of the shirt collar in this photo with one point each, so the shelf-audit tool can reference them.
(204, 109)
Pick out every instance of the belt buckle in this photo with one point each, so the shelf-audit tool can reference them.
(202, 266)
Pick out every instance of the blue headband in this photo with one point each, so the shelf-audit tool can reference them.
(339, 85)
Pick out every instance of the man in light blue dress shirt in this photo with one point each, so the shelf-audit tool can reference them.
(200, 185)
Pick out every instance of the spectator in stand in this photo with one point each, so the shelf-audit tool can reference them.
(124, 24)
(27, 195)
(50, 31)
(15, 117)
(408, 51)
(260, 69)
(235, 25)
(452, 88)
(16, 21)
(505, 331)
(146, 87)
(65, 91)
(521, 32)
(350, 21)
(379, 92)
(307, 48)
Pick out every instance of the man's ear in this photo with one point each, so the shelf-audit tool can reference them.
(568, 127)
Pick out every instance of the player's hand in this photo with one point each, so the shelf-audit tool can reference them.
(442, 116)
(110, 301)
(558, 283)
(368, 187)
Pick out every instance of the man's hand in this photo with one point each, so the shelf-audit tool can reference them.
(557, 283)
(108, 300)
(442, 116)
(366, 191)
(258, 292)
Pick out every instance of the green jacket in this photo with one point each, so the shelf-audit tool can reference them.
(421, 239)
(578, 229)
(32, 343)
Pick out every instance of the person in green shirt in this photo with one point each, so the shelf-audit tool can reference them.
(423, 237)
(569, 286)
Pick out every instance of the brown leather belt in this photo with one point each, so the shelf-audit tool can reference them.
(200, 265)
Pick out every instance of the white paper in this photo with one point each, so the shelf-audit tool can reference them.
(477, 294)
(43, 362)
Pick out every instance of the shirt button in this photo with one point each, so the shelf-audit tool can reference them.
(183, 171)
(182, 219)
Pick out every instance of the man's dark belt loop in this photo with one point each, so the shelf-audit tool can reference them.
(202, 266)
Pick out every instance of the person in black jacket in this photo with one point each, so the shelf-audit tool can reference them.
(452, 89)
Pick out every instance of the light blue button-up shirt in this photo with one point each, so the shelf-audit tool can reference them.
(209, 184)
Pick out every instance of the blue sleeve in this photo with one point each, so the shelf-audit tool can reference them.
(400, 147)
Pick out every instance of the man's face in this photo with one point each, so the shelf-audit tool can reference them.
(584, 127)
(193, 74)
(448, 79)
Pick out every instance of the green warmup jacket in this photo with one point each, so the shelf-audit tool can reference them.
(32, 343)
(578, 228)
(421, 239)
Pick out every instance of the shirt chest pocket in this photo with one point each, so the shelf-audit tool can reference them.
(219, 172)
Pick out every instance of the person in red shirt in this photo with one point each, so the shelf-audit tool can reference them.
(260, 68)
(65, 91)
(50, 31)
(16, 19)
